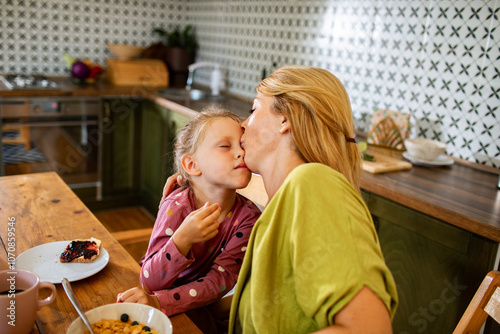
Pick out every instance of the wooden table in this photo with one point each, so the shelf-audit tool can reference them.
(46, 210)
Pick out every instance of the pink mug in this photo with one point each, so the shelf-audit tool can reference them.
(19, 301)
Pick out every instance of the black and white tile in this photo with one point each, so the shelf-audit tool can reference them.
(437, 60)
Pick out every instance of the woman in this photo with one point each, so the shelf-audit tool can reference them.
(313, 261)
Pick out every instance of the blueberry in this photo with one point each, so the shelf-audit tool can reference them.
(135, 323)
(124, 317)
(146, 328)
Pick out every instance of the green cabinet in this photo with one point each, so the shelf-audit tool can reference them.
(437, 267)
(138, 138)
(120, 146)
(159, 127)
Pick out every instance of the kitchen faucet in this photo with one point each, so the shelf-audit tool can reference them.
(215, 78)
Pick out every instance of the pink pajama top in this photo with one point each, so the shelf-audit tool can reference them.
(210, 269)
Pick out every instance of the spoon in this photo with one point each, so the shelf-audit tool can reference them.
(76, 304)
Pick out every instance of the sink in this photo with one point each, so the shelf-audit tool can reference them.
(184, 94)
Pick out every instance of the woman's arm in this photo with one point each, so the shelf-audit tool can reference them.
(365, 313)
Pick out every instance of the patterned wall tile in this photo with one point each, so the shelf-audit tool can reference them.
(35, 34)
(437, 60)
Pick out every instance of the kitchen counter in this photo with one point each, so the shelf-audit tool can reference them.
(459, 195)
(102, 88)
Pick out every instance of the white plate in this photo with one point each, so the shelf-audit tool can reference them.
(442, 160)
(141, 313)
(44, 261)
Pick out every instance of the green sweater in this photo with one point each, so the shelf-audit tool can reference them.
(310, 252)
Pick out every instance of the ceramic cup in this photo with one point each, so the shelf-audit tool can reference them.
(19, 300)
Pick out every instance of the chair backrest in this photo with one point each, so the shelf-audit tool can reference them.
(389, 128)
(486, 302)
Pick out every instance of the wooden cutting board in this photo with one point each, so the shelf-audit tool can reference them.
(385, 163)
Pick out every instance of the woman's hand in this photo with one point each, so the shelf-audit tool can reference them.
(172, 183)
(200, 225)
(137, 295)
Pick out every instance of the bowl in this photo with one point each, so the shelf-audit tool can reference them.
(144, 314)
(424, 149)
(124, 51)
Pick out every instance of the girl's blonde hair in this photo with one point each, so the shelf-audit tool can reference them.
(194, 132)
(316, 104)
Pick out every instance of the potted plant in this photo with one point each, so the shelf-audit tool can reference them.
(177, 48)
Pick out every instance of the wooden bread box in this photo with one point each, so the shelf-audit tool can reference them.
(144, 72)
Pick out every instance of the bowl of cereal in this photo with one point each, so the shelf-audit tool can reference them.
(114, 318)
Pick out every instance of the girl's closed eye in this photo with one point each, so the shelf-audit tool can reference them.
(224, 145)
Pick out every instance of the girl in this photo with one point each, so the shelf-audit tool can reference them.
(196, 248)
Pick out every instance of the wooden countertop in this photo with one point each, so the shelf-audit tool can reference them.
(458, 194)
(46, 210)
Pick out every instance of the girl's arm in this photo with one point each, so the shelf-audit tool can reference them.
(169, 252)
(162, 268)
(162, 256)
(218, 281)
(199, 226)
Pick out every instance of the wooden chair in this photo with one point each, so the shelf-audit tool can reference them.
(486, 302)
(254, 191)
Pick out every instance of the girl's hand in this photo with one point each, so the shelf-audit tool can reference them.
(200, 225)
(172, 183)
(137, 295)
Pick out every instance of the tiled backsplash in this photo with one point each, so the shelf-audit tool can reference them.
(35, 34)
(437, 60)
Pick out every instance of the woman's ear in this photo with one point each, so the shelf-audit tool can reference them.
(285, 125)
(189, 165)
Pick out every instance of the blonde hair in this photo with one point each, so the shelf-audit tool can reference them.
(317, 106)
(194, 132)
